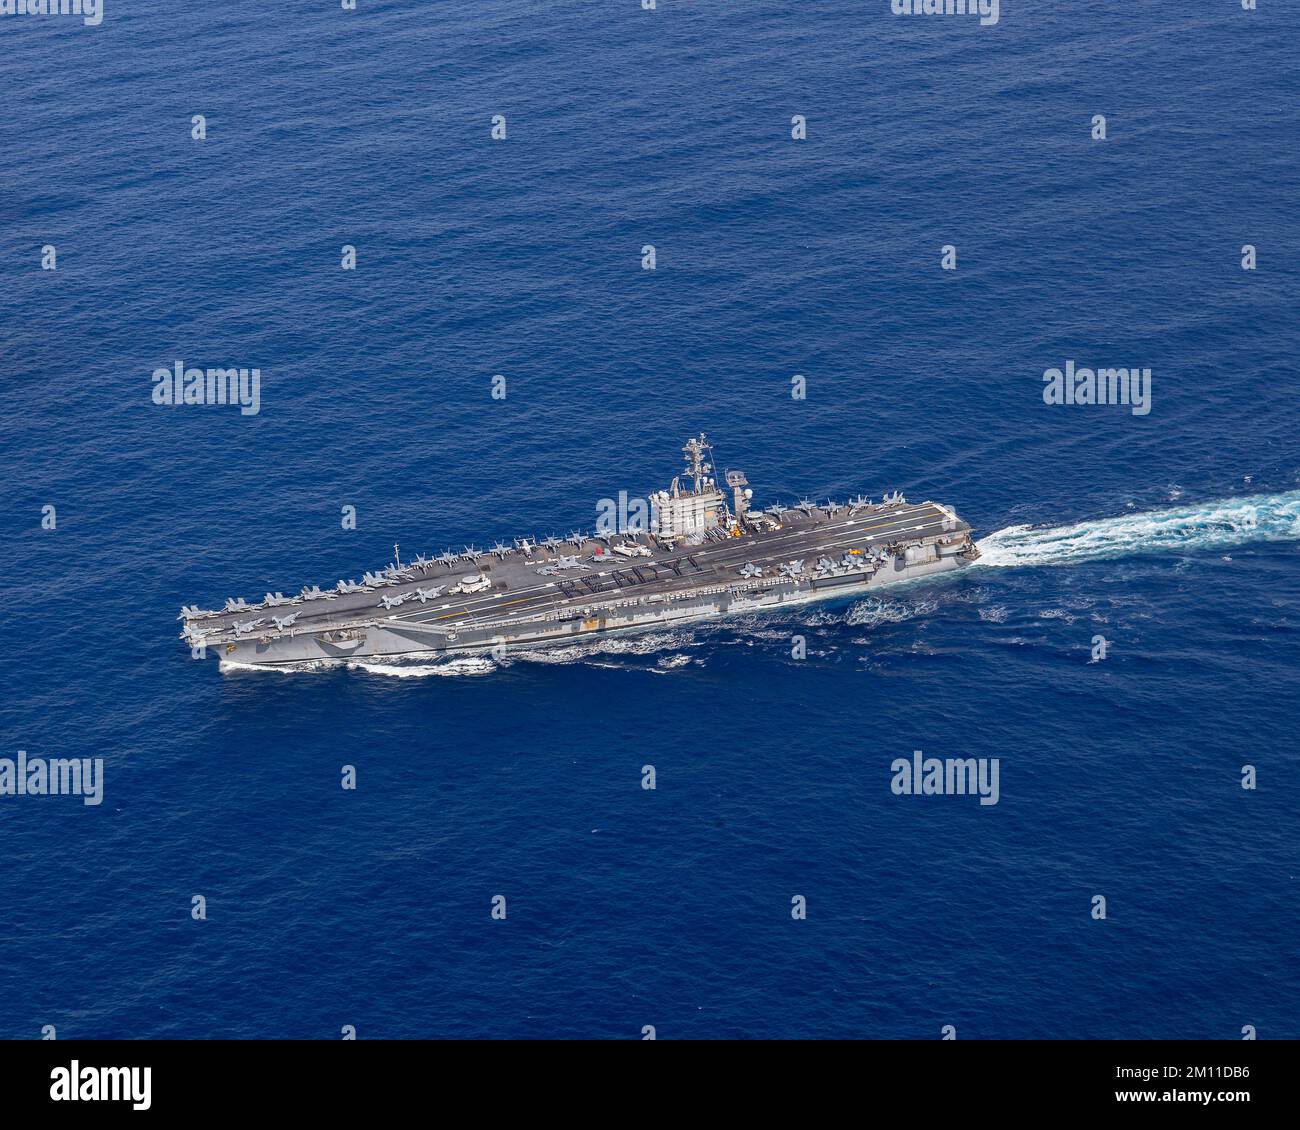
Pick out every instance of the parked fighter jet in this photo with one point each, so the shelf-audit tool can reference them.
(577, 538)
(426, 594)
(792, 568)
(234, 604)
(751, 570)
(247, 626)
(807, 506)
(393, 601)
(448, 558)
(282, 622)
(312, 593)
(500, 550)
(275, 599)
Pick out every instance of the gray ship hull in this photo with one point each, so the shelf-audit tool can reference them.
(535, 597)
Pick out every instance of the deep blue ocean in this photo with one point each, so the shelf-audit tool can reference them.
(1174, 535)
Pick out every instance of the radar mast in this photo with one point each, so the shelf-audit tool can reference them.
(696, 467)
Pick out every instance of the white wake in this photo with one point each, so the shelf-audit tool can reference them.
(1208, 526)
(468, 665)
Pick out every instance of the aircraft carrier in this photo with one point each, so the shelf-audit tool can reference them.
(689, 552)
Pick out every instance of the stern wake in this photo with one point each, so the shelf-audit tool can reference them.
(1208, 526)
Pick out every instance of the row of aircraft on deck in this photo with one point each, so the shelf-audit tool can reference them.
(397, 574)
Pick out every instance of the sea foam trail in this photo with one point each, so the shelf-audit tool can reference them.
(1210, 525)
(452, 667)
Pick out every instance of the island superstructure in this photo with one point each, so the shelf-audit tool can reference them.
(701, 551)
